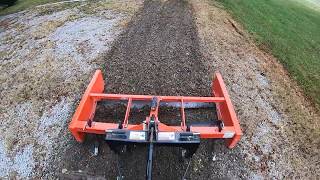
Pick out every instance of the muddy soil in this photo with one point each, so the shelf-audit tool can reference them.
(158, 54)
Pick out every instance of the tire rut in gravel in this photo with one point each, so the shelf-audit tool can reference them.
(158, 54)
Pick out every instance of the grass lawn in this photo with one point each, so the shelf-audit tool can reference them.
(290, 30)
(23, 4)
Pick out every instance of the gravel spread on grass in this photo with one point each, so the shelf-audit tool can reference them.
(280, 126)
(47, 55)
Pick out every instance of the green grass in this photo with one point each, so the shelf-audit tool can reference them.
(291, 31)
(24, 4)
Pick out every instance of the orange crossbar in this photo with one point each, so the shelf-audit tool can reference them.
(80, 125)
(100, 96)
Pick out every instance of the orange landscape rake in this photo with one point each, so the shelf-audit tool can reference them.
(151, 131)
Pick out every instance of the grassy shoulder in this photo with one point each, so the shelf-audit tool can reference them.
(290, 31)
(24, 4)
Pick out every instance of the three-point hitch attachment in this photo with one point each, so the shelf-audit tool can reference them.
(151, 131)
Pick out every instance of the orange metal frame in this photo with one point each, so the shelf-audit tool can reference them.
(79, 125)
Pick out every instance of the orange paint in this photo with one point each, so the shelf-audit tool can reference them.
(80, 125)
